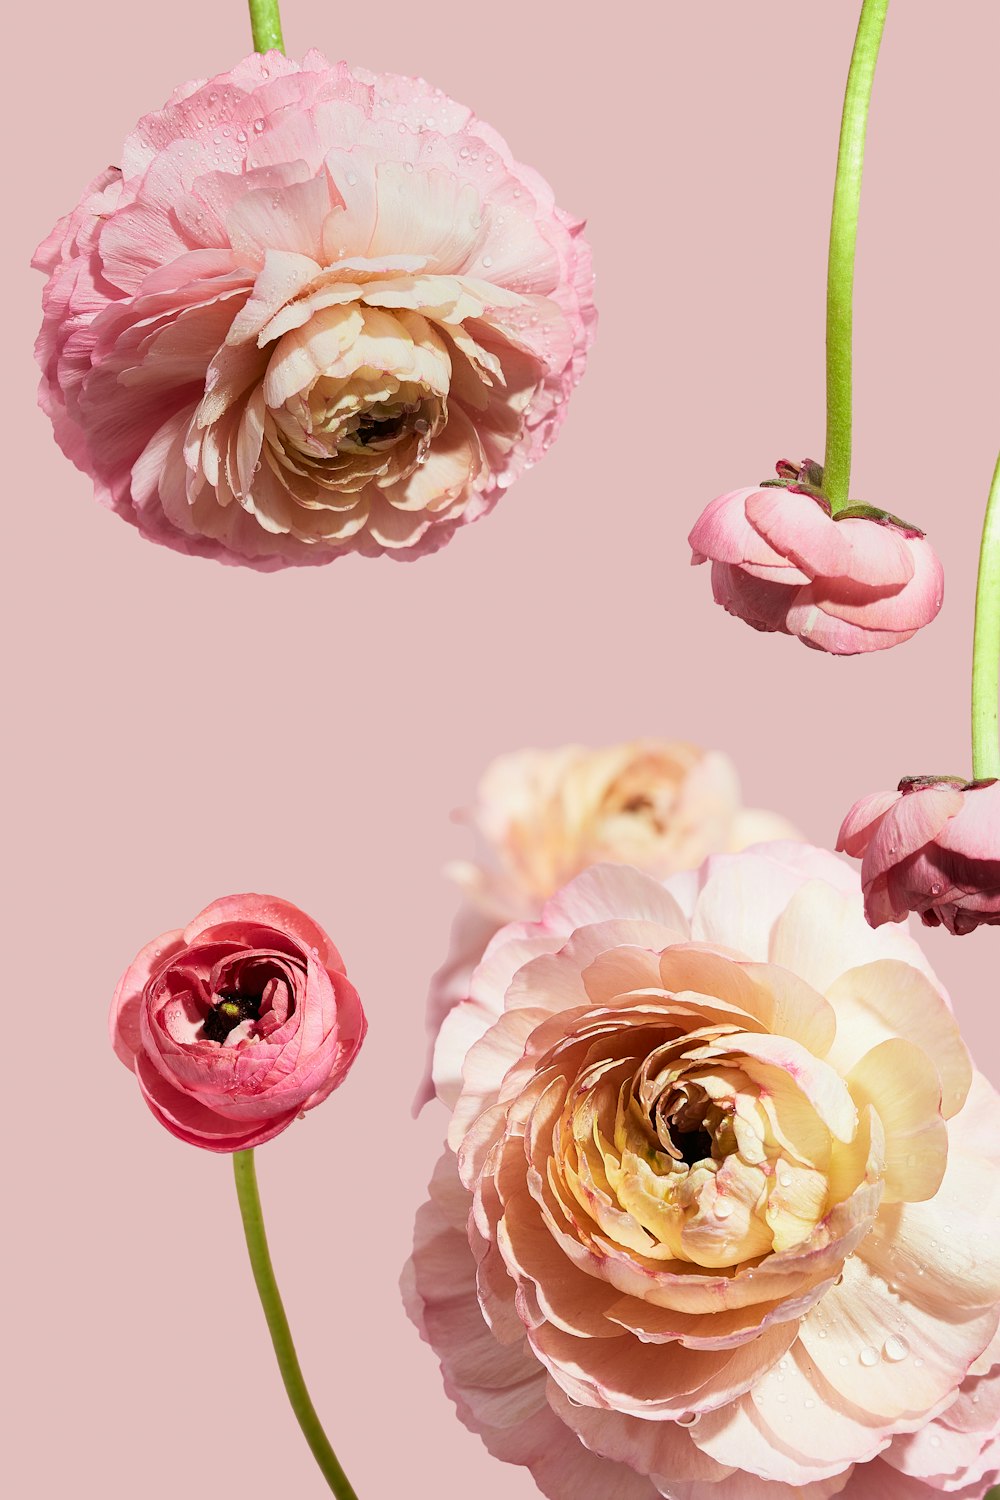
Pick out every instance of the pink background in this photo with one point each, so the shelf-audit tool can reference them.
(181, 730)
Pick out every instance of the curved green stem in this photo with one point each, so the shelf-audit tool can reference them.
(265, 23)
(843, 240)
(986, 643)
(277, 1323)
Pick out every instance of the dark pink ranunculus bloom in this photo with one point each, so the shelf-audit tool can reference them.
(859, 581)
(932, 847)
(237, 1023)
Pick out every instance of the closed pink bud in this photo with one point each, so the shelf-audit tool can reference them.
(238, 1023)
(932, 847)
(858, 581)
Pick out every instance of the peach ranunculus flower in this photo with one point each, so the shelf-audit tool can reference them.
(313, 311)
(717, 1220)
(543, 816)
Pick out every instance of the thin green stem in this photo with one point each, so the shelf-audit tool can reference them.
(986, 643)
(843, 240)
(265, 23)
(277, 1323)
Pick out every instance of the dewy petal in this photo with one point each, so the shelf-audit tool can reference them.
(862, 1314)
(862, 820)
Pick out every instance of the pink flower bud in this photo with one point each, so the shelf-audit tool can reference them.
(858, 581)
(932, 847)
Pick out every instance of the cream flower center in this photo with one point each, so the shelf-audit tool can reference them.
(685, 1153)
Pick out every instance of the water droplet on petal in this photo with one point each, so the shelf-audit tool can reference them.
(688, 1418)
(868, 1357)
(894, 1349)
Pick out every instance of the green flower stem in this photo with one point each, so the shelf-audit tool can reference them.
(265, 23)
(843, 240)
(277, 1323)
(986, 643)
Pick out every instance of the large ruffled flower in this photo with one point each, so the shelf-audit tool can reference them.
(545, 815)
(931, 847)
(857, 581)
(718, 1218)
(315, 311)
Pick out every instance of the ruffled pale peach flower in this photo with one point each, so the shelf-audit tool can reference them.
(314, 311)
(718, 1216)
(543, 816)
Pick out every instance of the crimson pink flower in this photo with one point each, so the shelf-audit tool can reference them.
(314, 311)
(237, 1023)
(717, 1220)
(932, 847)
(860, 580)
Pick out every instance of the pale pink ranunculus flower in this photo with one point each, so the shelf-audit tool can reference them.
(314, 311)
(857, 581)
(717, 1218)
(237, 1023)
(543, 816)
(932, 847)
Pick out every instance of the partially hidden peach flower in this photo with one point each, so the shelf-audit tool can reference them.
(237, 1023)
(931, 847)
(543, 816)
(314, 311)
(717, 1218)
(857, 581)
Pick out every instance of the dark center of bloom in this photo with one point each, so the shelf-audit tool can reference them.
(695, 1145)
(229, 1008)
(372, 429)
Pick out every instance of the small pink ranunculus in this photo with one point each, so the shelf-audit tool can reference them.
(931, 847)
(314, 311)
(858, 581)
(237, 1023)
(717, 1220)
